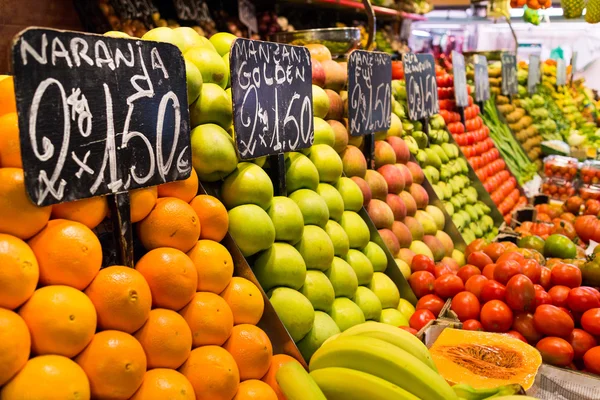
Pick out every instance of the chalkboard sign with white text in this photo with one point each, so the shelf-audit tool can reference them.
(510, 85)
(369, 92)
(482, 79)
(460, 79)
(533, 74)
(272, 97)
(99, 115)
(125, 9)
(192, 10)
(561, 72)
(421, 86)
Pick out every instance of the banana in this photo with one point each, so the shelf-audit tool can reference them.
(386, 361)
(396, 336)
(296, 383)
(468, 392)
(517, 397)
(348, 384)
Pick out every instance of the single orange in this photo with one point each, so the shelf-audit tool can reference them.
(252, 350)
(276, 362)
(8, 103)
(19, 272)
(47, 378)
(122, 298)
(213, 373)
(15, 344)
(171, 223)
(213, 217)
(141, 202)
(167, 384)
(18, 215)
(61, 320)
(115, 364)
(214, 265)
(209, 318)
(171, 276)
(10, 146)
(245, 300)
(253, 389)
(90, 211)
(166, 339)
(68, 253)
(185, 189)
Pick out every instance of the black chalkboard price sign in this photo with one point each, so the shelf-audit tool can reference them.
(509, 74)
(421, 86)
(98, 115)
(533, 73)
(460, 79)
(192, 10)
(272, 97)
(125, 9)
(482, 79)
(369, 92)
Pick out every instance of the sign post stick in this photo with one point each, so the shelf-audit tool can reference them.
(120, 215)
(277, 173)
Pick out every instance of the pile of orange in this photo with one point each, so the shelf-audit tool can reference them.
(178, 326)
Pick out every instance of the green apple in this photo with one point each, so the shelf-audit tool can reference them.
(324, 133)
(406, 308)
(313, 207)
(191, 38)
(342, 277)
(427, 222)
(251, 228)
(376, 255)
(300, 173)
(193, 80)
(210, 64)
(391, 316)
(368, 302)
(212, 107)
(287, 220)
(404, 268)
(361, 265)
(248, 184)
(346, 314)
(213, 152)
(338, 237)
(385, 289)
(294, 310)
(351, 194)
(323, 328)
(334, 200)
(281, 265)
(222, 42)
(320, 102)
(318, 290)
(356, 229)
(327, 161)
(167, 35)
(316, 248)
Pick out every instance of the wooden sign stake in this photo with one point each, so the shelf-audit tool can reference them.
(277, 174)
(120, 215)
(369, 150)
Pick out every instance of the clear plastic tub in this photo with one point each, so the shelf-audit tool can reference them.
(559, 188)
(561, 167)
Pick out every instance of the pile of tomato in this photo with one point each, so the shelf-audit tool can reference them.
(505, 289)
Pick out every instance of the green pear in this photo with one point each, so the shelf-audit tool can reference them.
(281, 265)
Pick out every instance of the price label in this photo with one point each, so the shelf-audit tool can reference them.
(145, 10)
(247, 15)
(272, 97)
(421, 86)
(460, 79)
(561, 72)
(369, 92)
(98, 115)
(192, 10)
(125, 9)
(533, 76)
(509, 74)
(482, 79)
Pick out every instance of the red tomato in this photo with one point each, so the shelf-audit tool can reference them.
(520, 294)
(466, 306)
(542, 297)
(538, 288)
(475, 245)
(523, 323)
(581, 341)
(555, 351)
(468, 271)
(568, 312)
(449, 285)
(581, 299)
(420, 318)
(421, 283)
(567, 275)
(479, 259)
(511, 255)
(552, 321)
(475, 284)
(421, 262)
(590, 321)
(492, 290)
(494, 250)
(472, 325)
(409, 329)
(532, 269)
(545, 278)
(430, 302)
(442, 269)
(559, 295)
(488, 271)
(496, 316)
(517, 335)
(506, 270)
(591, 359)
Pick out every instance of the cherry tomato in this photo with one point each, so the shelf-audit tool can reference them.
(532, 269)
(496, 316)
(466, 306)
(492, 290)
(542, 297)
(479, 259)
(590, 321)
(421, 262)
(566, 275)
(442, 269)
(449, 285)
(488, 271)
(505, 270)
(510, 255)
(468, 271)
(520, 294)
(421, 283)
(552, 321)
(559, 295)
(517, 335)
(409, 329)
(581, 341)
(545, 278)
(591, 359)
(472, 325)
(430, 302)
(475, 284)
(556, 351)
(582, 299)
(523, 323)
(420, 318)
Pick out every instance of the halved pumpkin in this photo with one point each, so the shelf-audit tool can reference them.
(484, 360)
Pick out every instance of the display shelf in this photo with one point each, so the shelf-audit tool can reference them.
(382, 12)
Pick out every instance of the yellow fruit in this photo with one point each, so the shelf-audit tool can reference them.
(19, 272)
(15, 344)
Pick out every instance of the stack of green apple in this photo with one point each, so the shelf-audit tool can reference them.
(447, 171)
